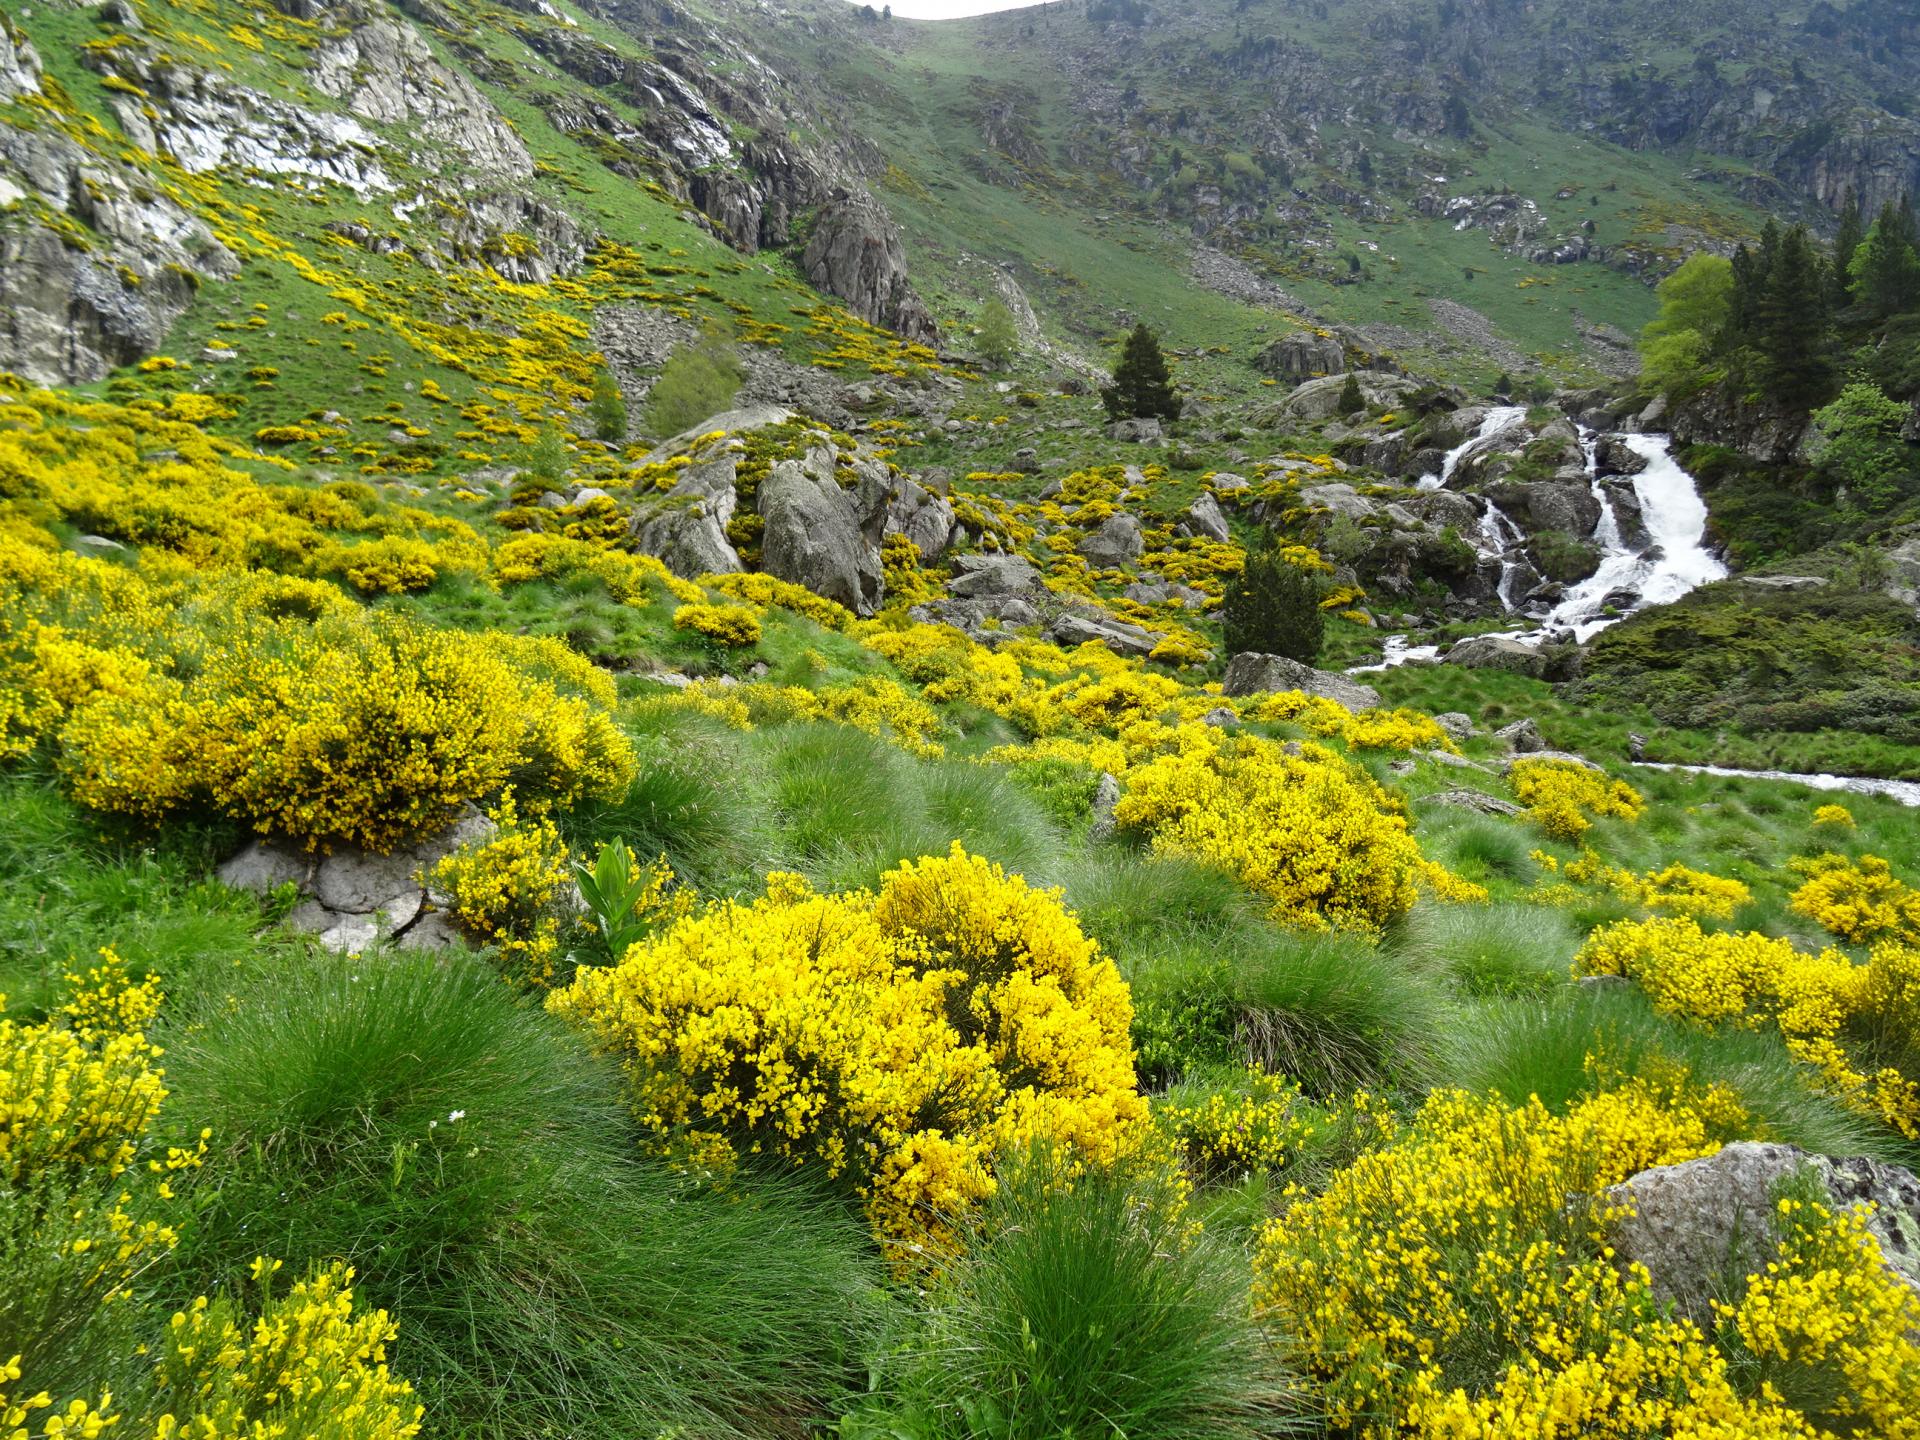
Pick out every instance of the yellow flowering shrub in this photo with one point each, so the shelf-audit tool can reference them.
(756, 589)
(1563, 799)
(1674, 889)
(1833, 817)
(508, 890)
(1818, 1002)
(1826, 1310)
(947, 665)
(306, 1366)
(630, 579)
(77, 1093)
(1860, 900)
(1459, 1266)
(733, 626)
(391, 565)
(76, 1420)
(1403, 730)
(1258, 1123)
(1316, 836)
(360, 726)
(901, 1039)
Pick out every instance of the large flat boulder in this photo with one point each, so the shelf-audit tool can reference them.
(1497, 652)
(1251, 673)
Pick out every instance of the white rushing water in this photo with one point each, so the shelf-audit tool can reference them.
(1675, 561)
(1499, 418)
(1907, 792)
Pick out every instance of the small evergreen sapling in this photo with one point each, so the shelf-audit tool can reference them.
(1141, 389)
(1273, 607)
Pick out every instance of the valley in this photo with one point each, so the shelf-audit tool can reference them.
(744, 720)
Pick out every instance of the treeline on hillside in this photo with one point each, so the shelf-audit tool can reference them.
(1813, 333)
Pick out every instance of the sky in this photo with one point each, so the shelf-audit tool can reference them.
(951, 9)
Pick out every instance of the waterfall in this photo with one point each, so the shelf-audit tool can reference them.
(1498, 419)
(1676, 559)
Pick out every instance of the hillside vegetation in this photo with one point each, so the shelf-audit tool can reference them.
(611, 826)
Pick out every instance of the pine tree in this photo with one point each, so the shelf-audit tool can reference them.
(1792, 324)
(1846, 240)
(1272, 607)
(1141, 388)
(1352, 398)
(1886, 267)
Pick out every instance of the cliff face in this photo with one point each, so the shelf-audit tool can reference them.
(102, 245)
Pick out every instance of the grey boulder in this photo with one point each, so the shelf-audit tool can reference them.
(1698, 1225)
(813, 534)
(1251, 673)
(1118, 541)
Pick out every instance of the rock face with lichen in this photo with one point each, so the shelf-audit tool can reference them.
(1695, 1223)
(855, 253)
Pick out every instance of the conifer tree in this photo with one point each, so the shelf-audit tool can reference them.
(1886, 267)
(1141, 388)
(1351, 396)
(1846, 240)
(1272, 607)
(1792, 323)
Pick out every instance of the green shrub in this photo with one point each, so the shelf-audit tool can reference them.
(696, 383)
(1273, 606)
(608, 408)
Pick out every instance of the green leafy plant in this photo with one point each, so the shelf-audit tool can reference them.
(615, 891)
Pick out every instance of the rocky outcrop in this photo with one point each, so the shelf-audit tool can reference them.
(524, 239)
(815, 534)
(1702, 1224)
(384, 71)
(855, 253)
(19, 64)
(1251, 673)
(355, 899)
(922, 516)
(1307, 355)
(687, 527)
(1319, 400)
(68, 313)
